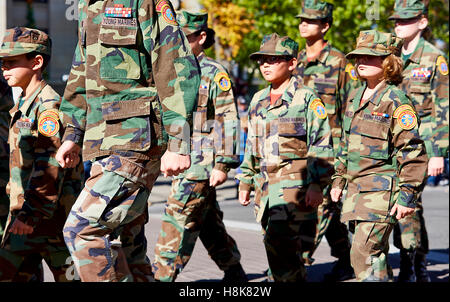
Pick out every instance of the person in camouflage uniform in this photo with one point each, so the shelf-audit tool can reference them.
(41, 192)
(130, 95)
(6, 103)
(381, 159)
(425, 80)
(192, 209)
(326, 70)
(286, 158)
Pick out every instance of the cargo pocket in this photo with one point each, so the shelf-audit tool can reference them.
(128, 125)
(292, 139)
(119, 56)
(374, 195)
(374, 140)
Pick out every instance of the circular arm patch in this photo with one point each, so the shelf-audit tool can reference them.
(223, 81)
(442, 65)
(48, 125)
(350, 69)
(319, 108)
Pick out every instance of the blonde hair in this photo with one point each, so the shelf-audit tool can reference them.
(392, 69)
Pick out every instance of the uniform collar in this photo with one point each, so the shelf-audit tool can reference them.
(322, 58)
(287, 95)
(26, 105)
(417, 54)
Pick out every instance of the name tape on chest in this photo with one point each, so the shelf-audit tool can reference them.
(319, 108)
(350, 69)
(118, 11)
(406, 117)
(223, 81)
(25, 123)
(442, 65)
(48, 124)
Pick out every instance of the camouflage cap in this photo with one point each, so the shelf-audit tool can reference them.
(408, 9)
(193, 22)
(22, 40)
(375, 43)
(313, 9)
(274, 45)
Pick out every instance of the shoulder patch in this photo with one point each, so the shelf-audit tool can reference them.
(442, 65)
(407, 119)
(50, 112)
(350, 69)
(168, 15)
(223, 81)
(318, 107)
(48, 124)
(402, 108)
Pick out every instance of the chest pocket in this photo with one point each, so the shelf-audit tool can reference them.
(326, 89)
(202, 115)
(119, 55)
(421, 97)
(292, 138)
(374, 139)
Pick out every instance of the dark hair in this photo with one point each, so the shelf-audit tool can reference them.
(392, 69)
(328, 20)
(33, 54)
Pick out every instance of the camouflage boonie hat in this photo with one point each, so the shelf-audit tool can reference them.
(22, 40)
(274, 45)
(193, 22)
(314, 10)
(375, 43)
(408, 9)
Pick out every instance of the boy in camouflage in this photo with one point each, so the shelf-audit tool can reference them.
(286, 158)
(425, 80)
(325, 69)
(130, 95)
(41, 192)
(192, 209)
(381, 158)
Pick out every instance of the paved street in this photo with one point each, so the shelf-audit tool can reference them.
(242, 227)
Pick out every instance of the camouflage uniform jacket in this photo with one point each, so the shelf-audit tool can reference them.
(332, 77)
(38, 187)
(425, 81)
(380, 162)
(133, 83)
(6, 103)
(214, 140)
(288, 148)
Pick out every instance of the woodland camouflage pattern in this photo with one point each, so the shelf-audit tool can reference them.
(274, 45)
(41, 192)
(379, 163)
(192, 209)
(22, 40)
(288, 150)
(408, 9)
(313, 9)
(121, 95)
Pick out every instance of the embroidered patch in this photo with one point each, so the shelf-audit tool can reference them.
(401, 108)
(168, 14)
(48, 125)
(318, 108)
(407, 119)
(442, 65)
(350, 69)
(50, 112)
(118, 11)
(160, 4)
(24, 123)
(421, 73)
(120, 22)
(223, 81)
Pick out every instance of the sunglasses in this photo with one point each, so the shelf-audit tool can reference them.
(272, 59)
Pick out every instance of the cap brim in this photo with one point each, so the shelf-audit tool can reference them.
(4, 53)
(365, 52)
(306, 16)
(409, 15)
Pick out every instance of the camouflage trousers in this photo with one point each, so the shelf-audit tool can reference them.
(113, 197)
(192, 212)
(21, 258)
(369, 252)
(283, 238)
(410, 232)
(330, 226)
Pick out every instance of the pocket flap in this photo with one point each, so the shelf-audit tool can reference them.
(124, 109)
(373, 183)
(293, 128)
(420, 88)
(374, 129)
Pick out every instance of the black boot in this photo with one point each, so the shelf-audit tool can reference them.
(341, 271)
(406, 266)
(235, 273)
(420, 267)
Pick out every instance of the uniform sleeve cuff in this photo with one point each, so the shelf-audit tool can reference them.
(222, 167)
(406, 199)
(339, 182)
(73, 134)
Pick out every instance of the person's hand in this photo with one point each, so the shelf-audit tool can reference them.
(217, 178)
(244, 198)
(401, 211)
(173, 163)
(68, 155)
(313, 197)
(20, 228)
(336, 194)
(435, 166)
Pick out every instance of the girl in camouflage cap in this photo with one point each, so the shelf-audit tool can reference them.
(381, 160)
